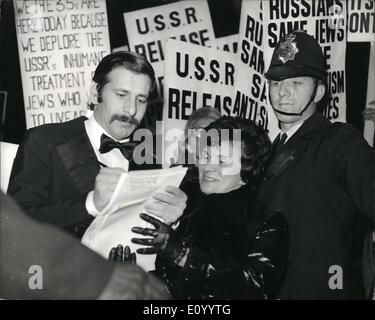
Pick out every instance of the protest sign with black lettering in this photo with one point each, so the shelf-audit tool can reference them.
(250, 97)
(60, 43)
(196, 77)
(361, 20)
(326, 21)
(148, 29)
(227, 43)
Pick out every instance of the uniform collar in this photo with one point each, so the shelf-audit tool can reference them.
(291, 131)
(298, 143)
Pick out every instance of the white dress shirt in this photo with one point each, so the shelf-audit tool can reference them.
(112, 159)
(291, 131)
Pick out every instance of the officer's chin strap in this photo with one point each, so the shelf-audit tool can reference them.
(303, 110)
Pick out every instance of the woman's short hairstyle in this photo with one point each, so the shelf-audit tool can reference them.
(202, 113)
(132, 61)
(255, 146)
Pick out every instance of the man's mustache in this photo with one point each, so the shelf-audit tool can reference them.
(125, 118)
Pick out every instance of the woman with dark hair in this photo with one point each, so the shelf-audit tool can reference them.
(226, 246)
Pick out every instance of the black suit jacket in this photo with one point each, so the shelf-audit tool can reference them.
(324, 183)
(54, 170)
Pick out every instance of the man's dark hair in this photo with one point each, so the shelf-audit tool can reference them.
(130, 60)
(255, 146)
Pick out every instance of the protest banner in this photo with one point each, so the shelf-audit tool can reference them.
(148, 29)
(361, 20)
(196, 77)
(60, 43)
(250, 97)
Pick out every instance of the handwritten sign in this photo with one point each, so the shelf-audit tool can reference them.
(60, 43)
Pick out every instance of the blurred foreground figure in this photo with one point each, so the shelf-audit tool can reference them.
(41, 262)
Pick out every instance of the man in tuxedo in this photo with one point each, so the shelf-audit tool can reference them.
(65, 174)
(321, 176)
(38, 261)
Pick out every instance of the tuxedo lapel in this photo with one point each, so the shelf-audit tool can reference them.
(296, 145)
(80, 161)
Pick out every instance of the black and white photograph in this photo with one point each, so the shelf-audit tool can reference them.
(187, 152)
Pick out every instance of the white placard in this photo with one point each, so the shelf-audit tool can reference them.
(196, 77)
(250, 84)
(60, 43)
(227, 43)
(361, 20)
(148, 29)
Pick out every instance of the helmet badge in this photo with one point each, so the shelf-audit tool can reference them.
(287, 49)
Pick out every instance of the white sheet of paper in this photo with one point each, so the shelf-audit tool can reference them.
(113, 225)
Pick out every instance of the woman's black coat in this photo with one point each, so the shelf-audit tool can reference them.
(236, 250)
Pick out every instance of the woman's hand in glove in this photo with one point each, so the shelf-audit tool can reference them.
(163, 241)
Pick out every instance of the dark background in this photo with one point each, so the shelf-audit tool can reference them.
(225, 17)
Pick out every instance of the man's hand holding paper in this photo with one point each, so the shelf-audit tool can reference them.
(105, 185)
(153, 191)
(168, 205)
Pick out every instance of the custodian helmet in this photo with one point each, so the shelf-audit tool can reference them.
(297, 55)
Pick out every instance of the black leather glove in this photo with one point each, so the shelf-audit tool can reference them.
(164, 240)
(122, 254)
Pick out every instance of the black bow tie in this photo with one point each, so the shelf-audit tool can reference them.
(126, 148)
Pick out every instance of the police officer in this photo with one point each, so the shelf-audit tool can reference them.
(321, 175)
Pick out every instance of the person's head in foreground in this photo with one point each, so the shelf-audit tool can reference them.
(297, 77)
(122, 84)
(233, 152)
